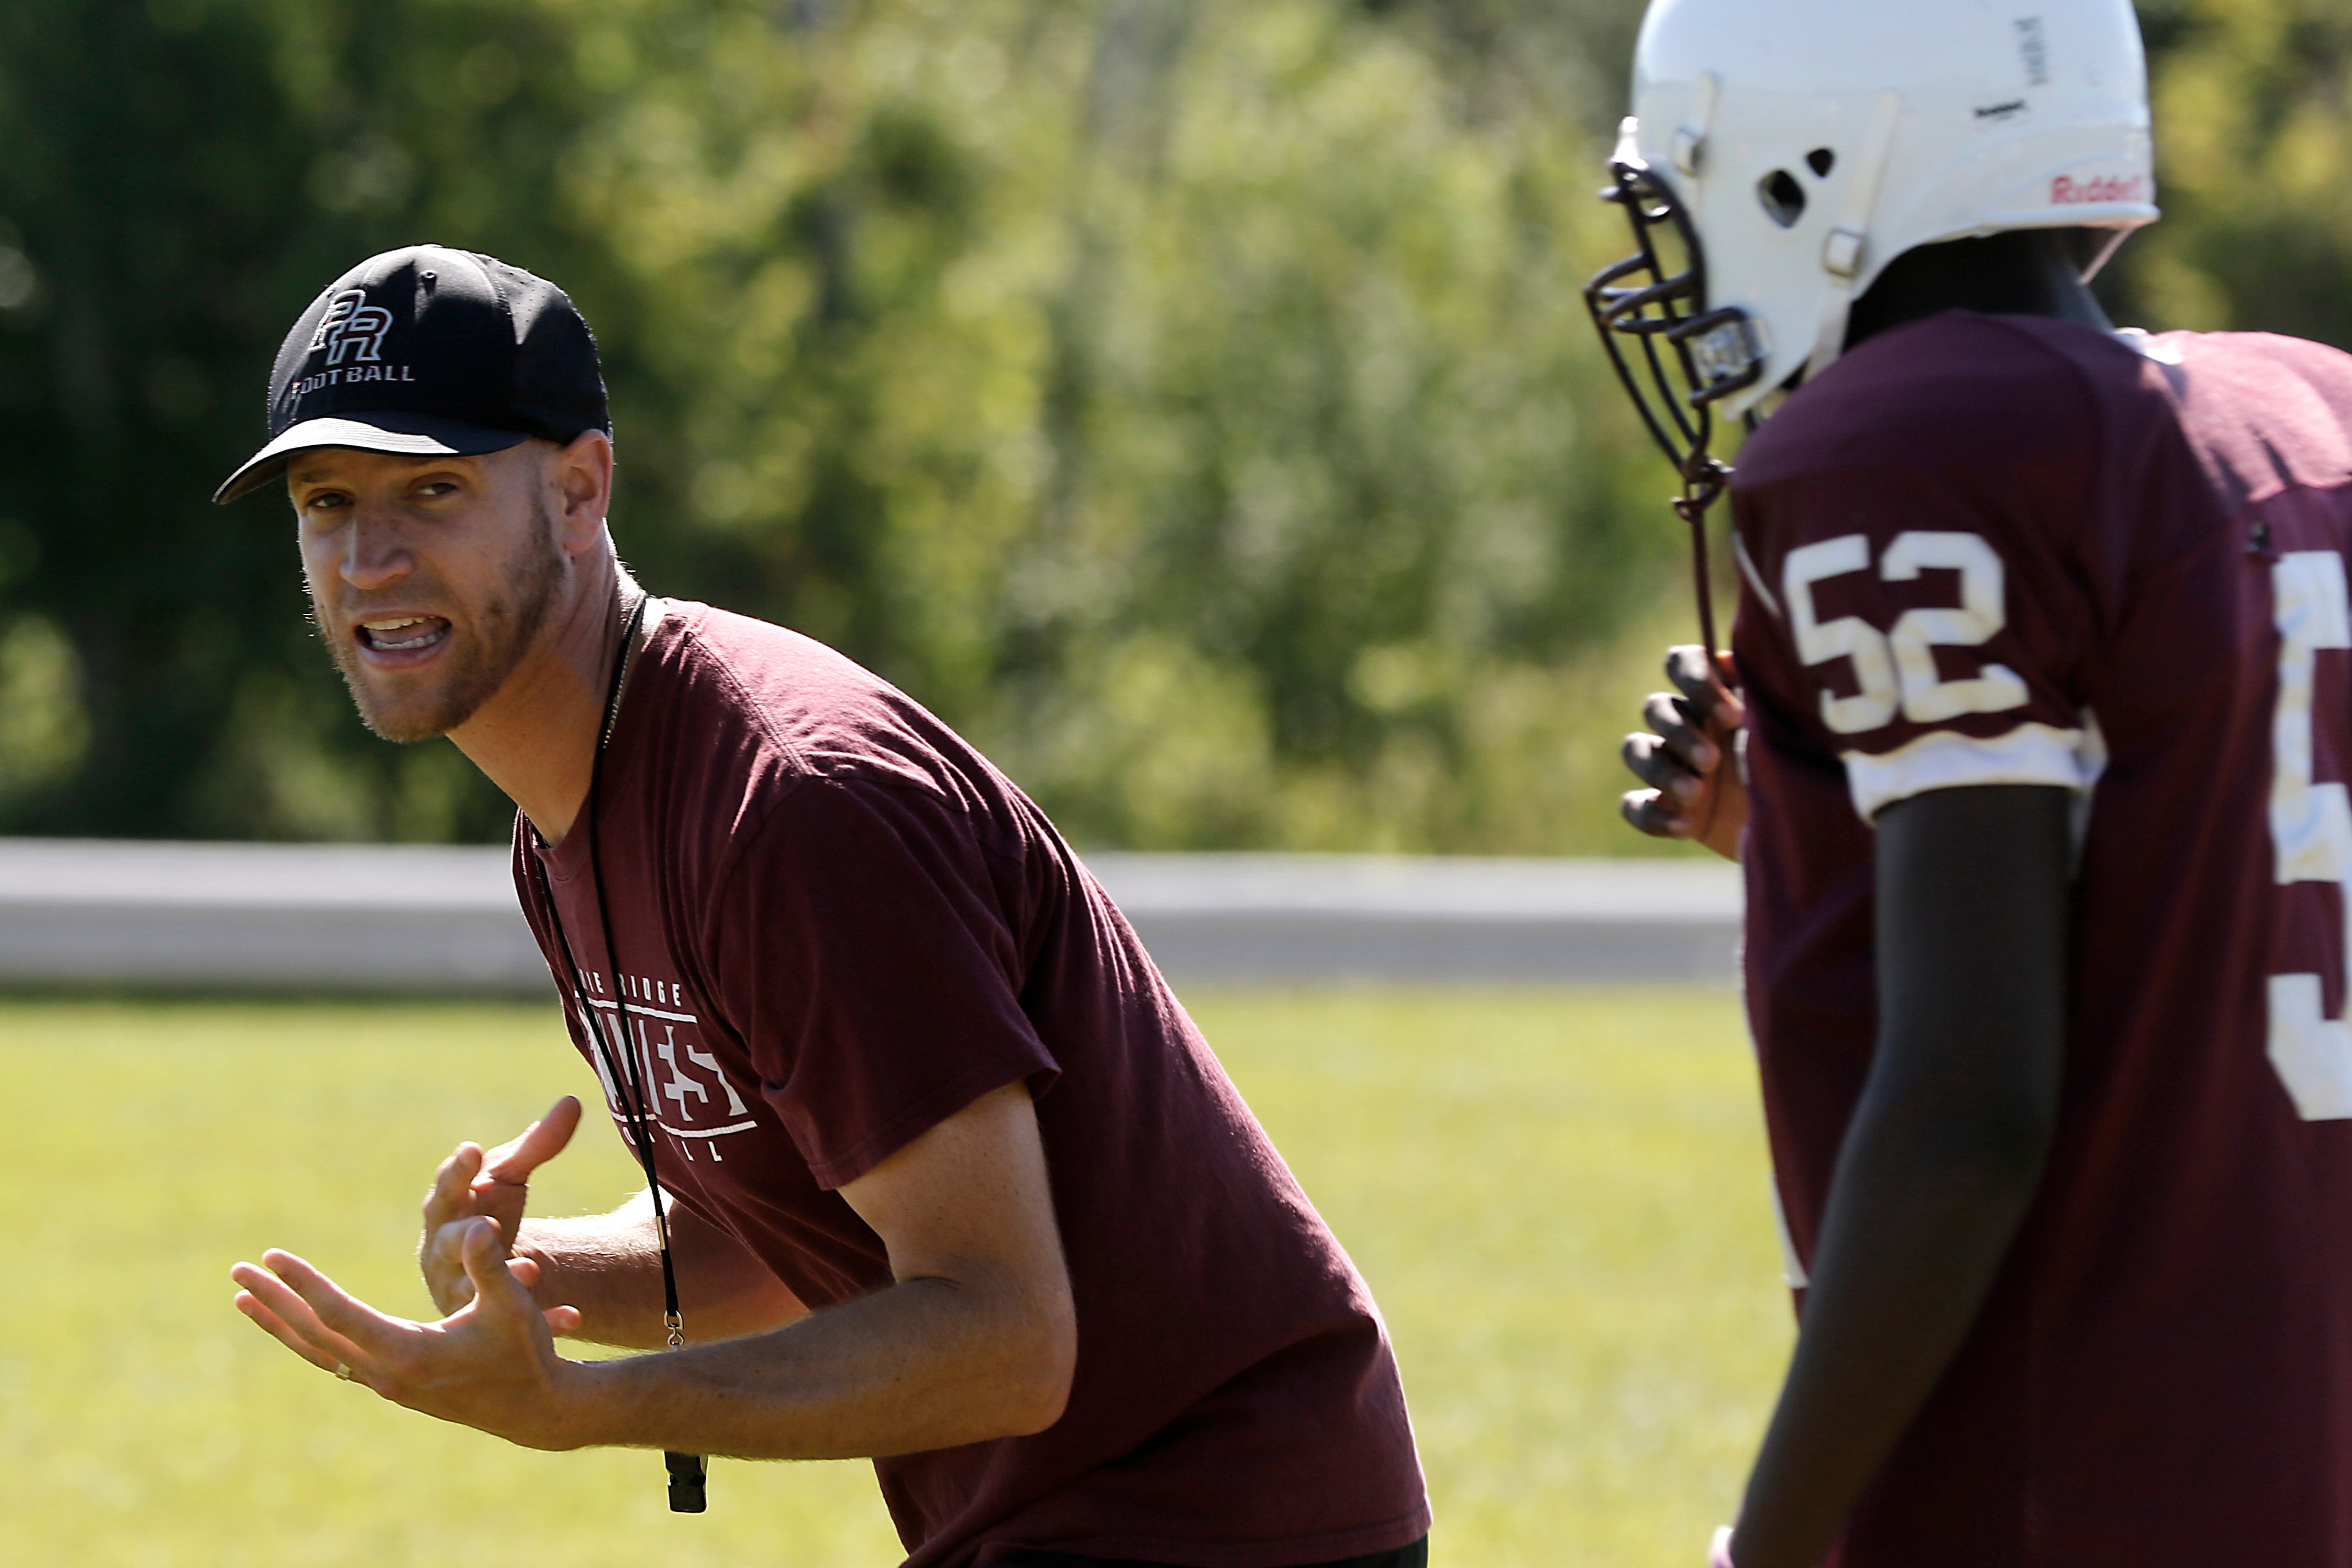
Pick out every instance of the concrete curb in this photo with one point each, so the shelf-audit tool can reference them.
(329, 918)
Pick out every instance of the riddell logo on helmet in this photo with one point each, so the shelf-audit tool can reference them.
(2068, 192)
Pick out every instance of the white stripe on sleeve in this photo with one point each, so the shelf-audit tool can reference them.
(1940, 759)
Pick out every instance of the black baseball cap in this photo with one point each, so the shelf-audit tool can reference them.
(429, 351)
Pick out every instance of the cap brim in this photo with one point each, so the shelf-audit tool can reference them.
(403, 434)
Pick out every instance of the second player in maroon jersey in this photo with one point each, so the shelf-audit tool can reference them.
(2008, 550)
(2042, 660)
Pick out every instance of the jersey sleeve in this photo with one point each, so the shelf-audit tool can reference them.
(1928, 625)
(866, 956)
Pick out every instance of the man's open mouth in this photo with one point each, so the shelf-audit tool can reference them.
(403, 634)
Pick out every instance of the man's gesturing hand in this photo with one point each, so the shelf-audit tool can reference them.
(470, 1186)
(1695, 789)
(491, 1364)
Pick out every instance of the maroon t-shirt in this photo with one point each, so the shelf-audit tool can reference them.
(2003, 550)
(836, 925)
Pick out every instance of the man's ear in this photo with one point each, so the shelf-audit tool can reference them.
(580, 477)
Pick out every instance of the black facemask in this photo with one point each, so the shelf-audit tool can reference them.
(1675, 358)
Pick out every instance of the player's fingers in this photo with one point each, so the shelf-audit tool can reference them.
(495, 1285)
(451, 1195)
(341, 1314)
(291, 1312)
(1696, 675)
(1726, 714)
(1654, 814)
(275, 1326)
(540, 1142)
(525, 1270)
(563, 1321)
(1708, 690)
(1671, 718)
(443, 1261)
(1647, 757)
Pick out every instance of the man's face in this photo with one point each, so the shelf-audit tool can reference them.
(429, 577)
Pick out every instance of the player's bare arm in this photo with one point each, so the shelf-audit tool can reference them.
(606, 1267)
(609, 1266)
(1687, 757)
(1944, 1152)
(977, 1339)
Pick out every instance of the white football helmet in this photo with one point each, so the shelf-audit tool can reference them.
(1781, 153)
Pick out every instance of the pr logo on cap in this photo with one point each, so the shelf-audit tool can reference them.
(350, 322)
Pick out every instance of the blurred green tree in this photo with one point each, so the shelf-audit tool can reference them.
(1189, 399)
(2253, 121)
(180, 176)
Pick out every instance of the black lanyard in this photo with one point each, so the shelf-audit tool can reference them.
(688, 1472)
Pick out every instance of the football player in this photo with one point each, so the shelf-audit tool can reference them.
(2042, 725)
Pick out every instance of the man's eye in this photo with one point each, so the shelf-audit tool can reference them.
(438, 487)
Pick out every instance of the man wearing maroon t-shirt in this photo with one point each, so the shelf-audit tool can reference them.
(944, 1174)
(2044, 737)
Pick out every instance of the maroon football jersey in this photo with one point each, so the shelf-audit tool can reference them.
(2004, 550)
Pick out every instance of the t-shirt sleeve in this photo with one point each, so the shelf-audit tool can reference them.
(865, 954)
(1926, 625)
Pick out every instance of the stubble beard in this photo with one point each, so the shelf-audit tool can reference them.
(480, 662)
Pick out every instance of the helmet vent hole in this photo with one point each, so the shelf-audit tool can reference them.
(1821, 161)
(1783, 198)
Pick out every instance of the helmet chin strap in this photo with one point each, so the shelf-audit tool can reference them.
(1841, 253)
(2107, 253)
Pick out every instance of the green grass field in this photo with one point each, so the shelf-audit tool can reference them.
(1559, 1198)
